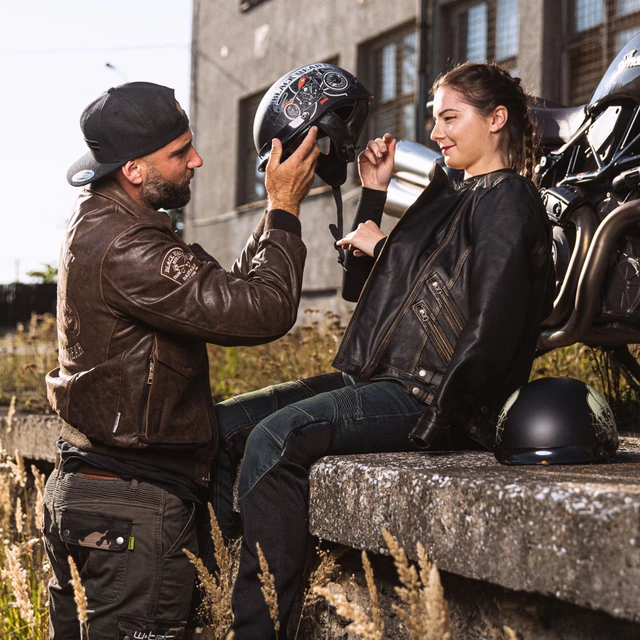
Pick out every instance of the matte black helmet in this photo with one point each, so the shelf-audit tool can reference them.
(555, 421)
(320, 95)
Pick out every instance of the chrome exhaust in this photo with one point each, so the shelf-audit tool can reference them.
(591, 278)
(412, 166)
(585, 223)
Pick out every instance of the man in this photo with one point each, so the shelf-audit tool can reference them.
(136, 306)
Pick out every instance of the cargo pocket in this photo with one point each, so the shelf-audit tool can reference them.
(102, 542)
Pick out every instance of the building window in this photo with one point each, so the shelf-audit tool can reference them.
(588, 14)
(625, 35)
(388, 73)
(476, 50)
(391, 75)
(507, 29)
(483, 31)
(250, 180)
(625, 7)
(598, 29)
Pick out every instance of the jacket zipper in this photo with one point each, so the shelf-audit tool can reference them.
(368, 368)
(145, 396)
(449, 307)
(438, 338)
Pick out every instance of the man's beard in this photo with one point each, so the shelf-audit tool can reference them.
(159, 193)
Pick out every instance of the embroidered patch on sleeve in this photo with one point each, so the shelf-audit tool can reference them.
(178, 265)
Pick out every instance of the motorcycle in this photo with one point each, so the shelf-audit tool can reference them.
(589, 181)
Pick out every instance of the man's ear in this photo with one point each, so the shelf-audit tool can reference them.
(499, 119)
(133, 171)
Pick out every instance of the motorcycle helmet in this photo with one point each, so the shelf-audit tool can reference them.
(555, 421)
(320, 95)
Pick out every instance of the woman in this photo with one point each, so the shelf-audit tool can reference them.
(444, 331)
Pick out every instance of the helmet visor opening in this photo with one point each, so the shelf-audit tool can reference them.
(345, 110)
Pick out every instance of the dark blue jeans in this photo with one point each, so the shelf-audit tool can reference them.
(278, 433)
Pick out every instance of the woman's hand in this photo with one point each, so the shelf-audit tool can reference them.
(375, 163)
(363, 240)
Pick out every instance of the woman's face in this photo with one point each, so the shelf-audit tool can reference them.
(468, 140)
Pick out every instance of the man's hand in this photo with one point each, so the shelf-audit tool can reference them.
(375, 163)
(363, 240)
(289, 182)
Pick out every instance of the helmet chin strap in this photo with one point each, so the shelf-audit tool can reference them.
(332, 167)
(333, 171)
(337, 230)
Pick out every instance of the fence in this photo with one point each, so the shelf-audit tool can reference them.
(18, 301)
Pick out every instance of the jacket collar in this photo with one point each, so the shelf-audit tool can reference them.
(485, 180)
(110, 189)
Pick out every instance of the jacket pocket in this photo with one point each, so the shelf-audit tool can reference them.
(436, 336)
(446, 303)
(102, 542)
(176, 394)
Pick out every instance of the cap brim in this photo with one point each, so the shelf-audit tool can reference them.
(87, 169)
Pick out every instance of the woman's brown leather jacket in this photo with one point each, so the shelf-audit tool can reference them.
(453, 305)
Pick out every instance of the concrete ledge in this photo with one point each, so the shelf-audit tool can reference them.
(569, 532)
(34, 435)
(572, 532)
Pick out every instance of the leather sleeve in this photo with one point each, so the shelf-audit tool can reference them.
(275, 219)
(508, 234)
(149, 275)
(357, 269)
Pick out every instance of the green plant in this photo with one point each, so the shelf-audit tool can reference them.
(47, 275)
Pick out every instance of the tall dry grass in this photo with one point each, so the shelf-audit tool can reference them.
(423, 608)
(23, 566)
(215, 610)
(26, 355)
(306, 351)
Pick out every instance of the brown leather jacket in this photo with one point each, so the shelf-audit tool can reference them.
(136, 307)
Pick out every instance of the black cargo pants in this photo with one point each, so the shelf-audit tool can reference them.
(127, 540)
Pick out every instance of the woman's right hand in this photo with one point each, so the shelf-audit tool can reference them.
(375, 163)
(362, 241)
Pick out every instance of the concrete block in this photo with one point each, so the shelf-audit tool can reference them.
(572, 532)
(34, 435)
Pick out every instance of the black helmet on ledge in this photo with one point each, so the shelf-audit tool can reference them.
(555, 421)
(320, 95)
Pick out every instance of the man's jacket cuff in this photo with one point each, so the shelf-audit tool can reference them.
(280, 219)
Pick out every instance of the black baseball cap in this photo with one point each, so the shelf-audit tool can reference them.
(126, 122)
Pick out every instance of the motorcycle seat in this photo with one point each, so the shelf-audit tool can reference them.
(557, 125)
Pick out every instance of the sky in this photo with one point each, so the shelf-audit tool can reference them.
(53, 63)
